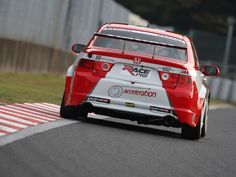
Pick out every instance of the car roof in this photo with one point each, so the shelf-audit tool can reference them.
(143, 29)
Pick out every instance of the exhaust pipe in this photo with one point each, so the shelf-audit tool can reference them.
(168, 121)
(171, 121)
(85, 108)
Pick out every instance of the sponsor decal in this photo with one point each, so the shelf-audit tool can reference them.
(144, 93)
(159, 109)
(165, 76)
(128, 104)
(117, 91)
(136, 71)
(166, 69)
(101, 100)
(110, 60)
(105, 66)
(185, 72)
(97, 58)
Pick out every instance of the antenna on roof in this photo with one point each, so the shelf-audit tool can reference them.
(148, 25)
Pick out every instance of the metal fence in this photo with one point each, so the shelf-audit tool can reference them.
(222, 88)
(56, 23)
(211, 48)
(34, 32)
(33, 21)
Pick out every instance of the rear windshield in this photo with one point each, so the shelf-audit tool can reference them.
(146, 49)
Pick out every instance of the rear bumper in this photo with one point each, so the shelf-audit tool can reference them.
(168, 120)
(157, 118)
(180, 103)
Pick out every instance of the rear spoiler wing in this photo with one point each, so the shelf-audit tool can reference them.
(139, 40)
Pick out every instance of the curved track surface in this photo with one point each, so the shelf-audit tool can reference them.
(111, 147)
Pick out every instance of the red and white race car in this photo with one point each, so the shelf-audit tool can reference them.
(142, 74)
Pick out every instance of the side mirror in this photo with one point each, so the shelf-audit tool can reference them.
(77, 48)
(210, 70)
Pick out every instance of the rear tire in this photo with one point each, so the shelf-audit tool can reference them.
(83, 114)
(192, 133)
(68, 112)
(205, 120)
(200, 130)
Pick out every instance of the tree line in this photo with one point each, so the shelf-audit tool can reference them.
(208, 15)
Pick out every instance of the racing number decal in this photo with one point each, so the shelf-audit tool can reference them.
(135, 71)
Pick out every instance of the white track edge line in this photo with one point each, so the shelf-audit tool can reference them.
(34, 130)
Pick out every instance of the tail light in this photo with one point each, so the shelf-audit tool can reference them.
(86, 63)
(172, 79)
(102, 66)
(168, 79)
(99, 68)
(187, 80)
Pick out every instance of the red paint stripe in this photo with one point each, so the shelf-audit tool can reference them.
(34, 114)
(45, 109)
(40, 107)
(22, 114)
(10, 126)
(4, 132)
(18, 116)
(14, 121)
(55, 110)
(37, 110)
(52, 105)
(31, 112)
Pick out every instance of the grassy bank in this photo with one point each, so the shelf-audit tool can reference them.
(218, 102)
(25, 87)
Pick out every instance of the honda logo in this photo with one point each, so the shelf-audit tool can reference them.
(137, 61)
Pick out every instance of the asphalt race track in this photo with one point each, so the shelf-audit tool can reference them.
(111, 147)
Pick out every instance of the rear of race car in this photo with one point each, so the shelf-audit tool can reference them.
(130, 85)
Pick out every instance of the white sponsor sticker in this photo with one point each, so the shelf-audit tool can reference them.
(117, 91)
(136, 71)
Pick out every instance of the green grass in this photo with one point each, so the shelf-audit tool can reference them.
(28, 87)
(217, 102)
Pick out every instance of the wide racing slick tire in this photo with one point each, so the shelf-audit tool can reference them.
(192, 133)
(68, 112)
(83, 114)
(205, 120)
(84, 110)
(200, 130)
